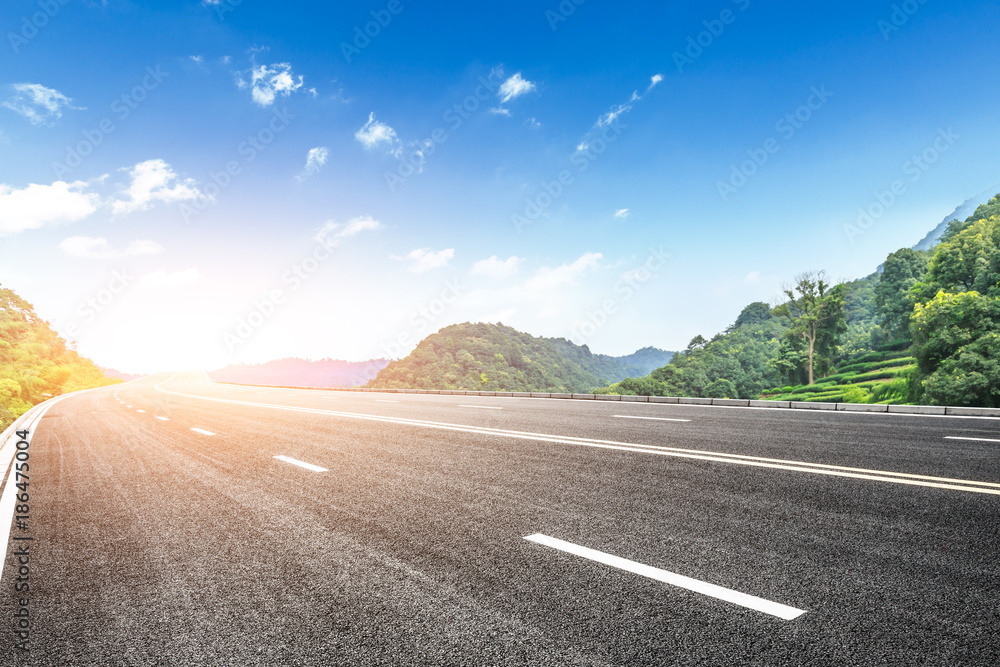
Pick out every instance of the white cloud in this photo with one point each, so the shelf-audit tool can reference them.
(153, 181)
(315, 158)
(197, 60)
(496, 268)
(533, 123)
(425, 259)
(376, 132)
(37, 103)
(547, 278)
(622, 213)
(513, 87)
(268, 82)
(39, 206)
(752, 278)
(653, 80)
(332, 233)
(613, 114)
(163, 280)
(499, 111)
(99, 248)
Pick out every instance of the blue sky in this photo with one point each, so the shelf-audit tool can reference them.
(708, 153)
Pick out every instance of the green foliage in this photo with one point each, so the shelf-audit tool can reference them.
(35, 363)
(493, 357)
(901, 271)
(720, 388)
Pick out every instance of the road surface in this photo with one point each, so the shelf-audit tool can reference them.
(174, 521)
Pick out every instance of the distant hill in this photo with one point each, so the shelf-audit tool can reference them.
(494, 357)
(302, 373)
(127, 377)
(966, 209)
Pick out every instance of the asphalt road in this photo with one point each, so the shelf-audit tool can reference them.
(401, 541)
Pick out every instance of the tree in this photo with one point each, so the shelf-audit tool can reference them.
(816, 312)
(757, 312)
(902, 270)
(697, 343)
(721, 388)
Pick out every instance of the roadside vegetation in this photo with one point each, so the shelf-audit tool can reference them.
(35, 362)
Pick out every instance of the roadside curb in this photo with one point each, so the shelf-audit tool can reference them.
(675, 400)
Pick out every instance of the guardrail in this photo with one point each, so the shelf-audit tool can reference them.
(679, 400)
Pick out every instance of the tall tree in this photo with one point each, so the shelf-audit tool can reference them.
(816, 312)
(901, 271)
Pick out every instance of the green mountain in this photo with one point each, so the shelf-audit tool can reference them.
(494, 357)
(35, 363)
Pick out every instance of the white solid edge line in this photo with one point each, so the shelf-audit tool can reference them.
(711, 590)
(8, 499)
(201, 430)
(958, 437)
(657, 419)
(303, 464)
(482, 407)
(164, 419)
(740, 459)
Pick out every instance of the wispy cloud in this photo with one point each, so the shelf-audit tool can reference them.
(99, 248)
(616, 111)
(315, 158)
(375, 132)
(37, 206)
(566, 274)
(333, 233)
(495, 268)
(154, 181)
(37, 103)
(425, 259)
(622, 213)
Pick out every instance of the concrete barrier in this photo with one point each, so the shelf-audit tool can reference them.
(608, 397)
(862, 407)
(802, 405)
(770, 404)
(693, 400)
(737, 402)
(916, 409)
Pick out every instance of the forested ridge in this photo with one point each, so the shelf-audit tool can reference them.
(494, 357)
(35, 362)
